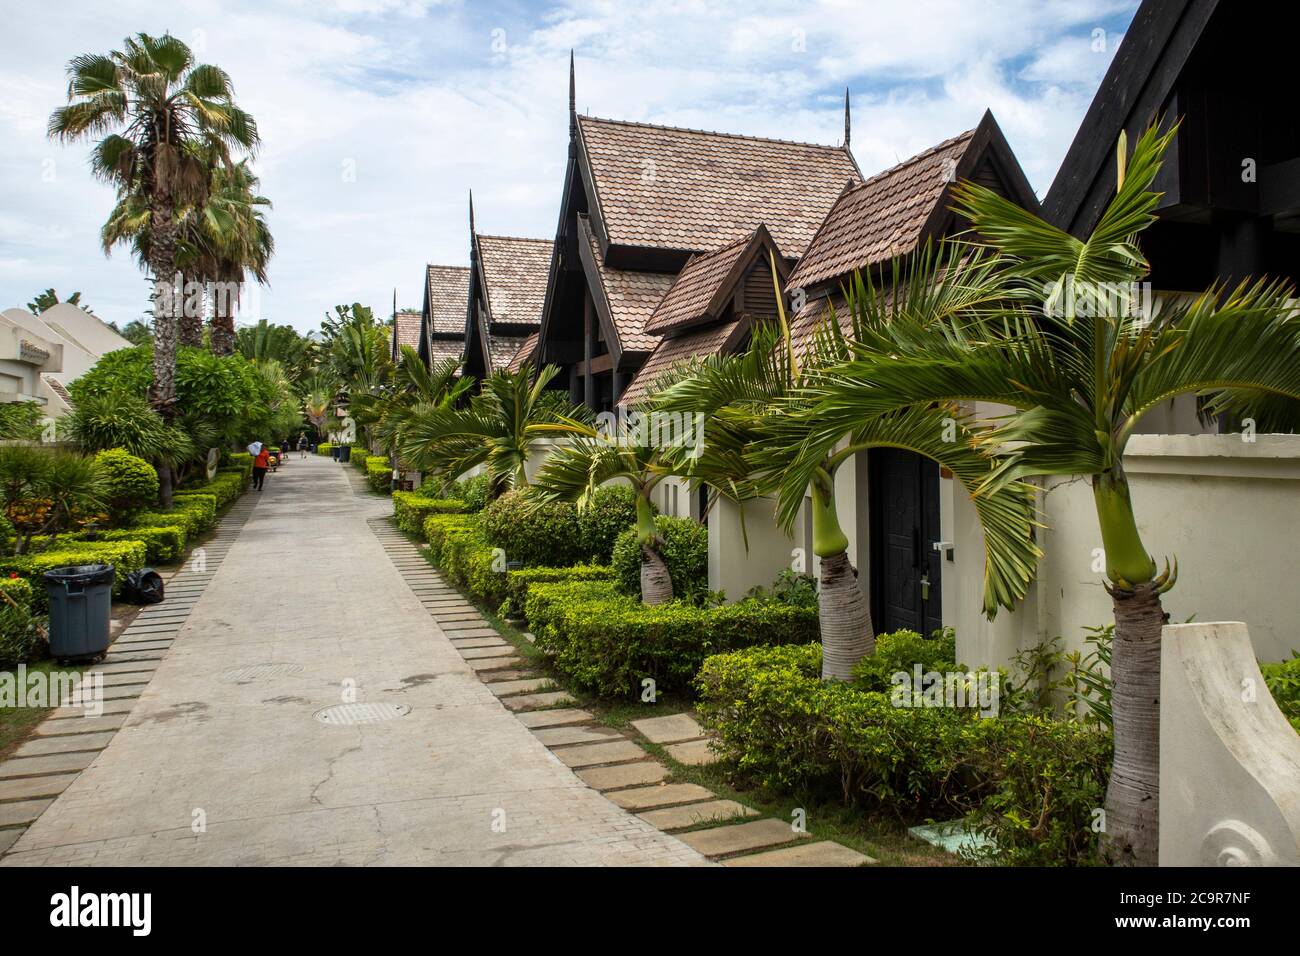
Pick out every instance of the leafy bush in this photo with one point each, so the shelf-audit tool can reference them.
(611, 511)
(469, 562)
(685, 550)
(164, 544)
(790, 587)
(903, 650)
(193, 512)
(438, 527)
(1028, 782)
(472, 491)
(379, 473)
(519, 581)
(20, 637)
(325, 448)
(125, 556)
(410, 509)
(21, 421)
(534, 533)
(131, 482)
(1283, 680)
(241, 461)
(608, 643)
(203, 504)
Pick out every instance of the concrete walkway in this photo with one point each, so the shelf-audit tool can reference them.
(222, 761)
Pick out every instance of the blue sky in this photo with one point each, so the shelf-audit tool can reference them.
(378, 116)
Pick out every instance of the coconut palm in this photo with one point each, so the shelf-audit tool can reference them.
(1077, 379)
(592, 457)
(239, 242)
(501, 428)
(319, 390)
(416, 389)
(157, 113)
(750, 403)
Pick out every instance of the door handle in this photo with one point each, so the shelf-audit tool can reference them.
(925, 586)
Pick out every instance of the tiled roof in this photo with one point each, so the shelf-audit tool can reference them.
(515, 272)
(504, 349)
(881, 218)
(691, 293)
(524, 353)
(815, 310)
(632, 296)
(440, 349)
(448, 298)
(689, 189)
(684, 348)
(406, 330)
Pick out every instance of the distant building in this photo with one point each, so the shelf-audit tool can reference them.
(40, 356)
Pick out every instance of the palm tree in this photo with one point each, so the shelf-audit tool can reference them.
(754, 432)
(1078, 379)
(158, 113)
(49, 298)
(416, 390)
(319, 391)
(501, 428)
(240, 242)
(264, 341)
(591, 458)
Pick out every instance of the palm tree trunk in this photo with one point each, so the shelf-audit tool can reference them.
(656, 582)
(223, 326)
(191, 318)
(163, 264)
(1132, 834)
(845, 619)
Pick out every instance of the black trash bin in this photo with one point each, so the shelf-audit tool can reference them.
(81, 601)
(345, 453)
(335, 451)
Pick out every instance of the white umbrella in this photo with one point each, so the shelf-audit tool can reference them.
(255, 449)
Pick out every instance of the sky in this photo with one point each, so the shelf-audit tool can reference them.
(377, 117)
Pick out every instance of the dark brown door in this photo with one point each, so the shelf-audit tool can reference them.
(905, 569)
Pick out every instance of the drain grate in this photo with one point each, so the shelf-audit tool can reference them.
(253, 672)
(341, 714)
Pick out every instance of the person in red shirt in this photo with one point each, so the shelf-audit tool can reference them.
(260, 464)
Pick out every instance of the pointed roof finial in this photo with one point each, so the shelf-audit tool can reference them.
(846, 117)
(573, 97)
(471, 212)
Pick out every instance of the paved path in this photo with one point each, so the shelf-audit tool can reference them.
(223, 740)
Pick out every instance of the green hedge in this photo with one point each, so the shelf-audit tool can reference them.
(438, 527)
(611, 511)
(164, 544)
(469, 562)
(1028, 782)
(131, 483)
(410, 509)
(325, 448)
(193, 512)
(686, 552)
(609, 643)
(20, 636)
(520, 580)
(125, 556)
(20, 589)
(379, 473)
(535, 533)
(225, 487)
(240, 461)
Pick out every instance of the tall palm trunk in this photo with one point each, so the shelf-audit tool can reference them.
(163, 392)
(190, 322)
(1131, 837)
(845, 620)
(656, 582)
(223, 324)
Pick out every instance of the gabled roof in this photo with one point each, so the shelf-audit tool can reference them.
(524, 354)
(626, 298)
(690, 346)
(448, 291)
(1136, 88)
(504, 349)
(704, 286)
(406, 329)
(514, 273)
(684, 189)
(893, 212)
(441, 349)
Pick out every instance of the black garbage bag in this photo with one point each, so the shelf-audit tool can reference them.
(143, 587)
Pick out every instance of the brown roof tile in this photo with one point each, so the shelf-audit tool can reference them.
(689, 189)
(524, 353)
(448, 298)
(689, 346)
(440, 349)
(515, 272)
(881, 218)
(632, 296)
(406, 330)
(688, 300)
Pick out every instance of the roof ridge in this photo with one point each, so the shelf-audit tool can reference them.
(712, 132)
(490, 235)
(438, 265)
(924, 154)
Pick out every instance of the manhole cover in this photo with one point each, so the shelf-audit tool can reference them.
(360, 713)
(262, 672)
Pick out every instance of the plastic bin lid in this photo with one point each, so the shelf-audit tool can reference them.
(81, 574)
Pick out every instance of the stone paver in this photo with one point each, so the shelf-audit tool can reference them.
(507, 688)
(693, 753)
(562, 736)
(49, 763)
(693, 814)
(492, 663)
(670, 729)
(623, 775)
(279, 787)
(21, 812)
(39, 746)
(739, 837)
(555, 718)
(823, 853)
(478, 653)
(8, 838)
(80, 725)
(591, 755)
(556, 698)
(649, 798)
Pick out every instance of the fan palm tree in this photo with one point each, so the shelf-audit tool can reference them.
(319, 390)
(239, 240)
(155, 111)
(591, 458)
(753, 432)
(501, 428)
(1077, 380)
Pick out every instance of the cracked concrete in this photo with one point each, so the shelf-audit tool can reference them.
(209, 771)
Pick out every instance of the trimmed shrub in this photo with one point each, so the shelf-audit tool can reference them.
(469, 562)
(20, 638)
(610, 512)
(201, 503)
(1028, 782)
(240, 461)
(325, 448)
(410, 509)
(436, 529)
(379, 473)
(131, 483)
(164, 544)
(473, 491)
(226, 486)
(125, 556)
(19, 589)
(685, 550)
(901, 651)
(519, 581)
(534, 533)
(608, 643)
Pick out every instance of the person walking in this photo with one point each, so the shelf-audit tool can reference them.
(302, 444)
(260, 464)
